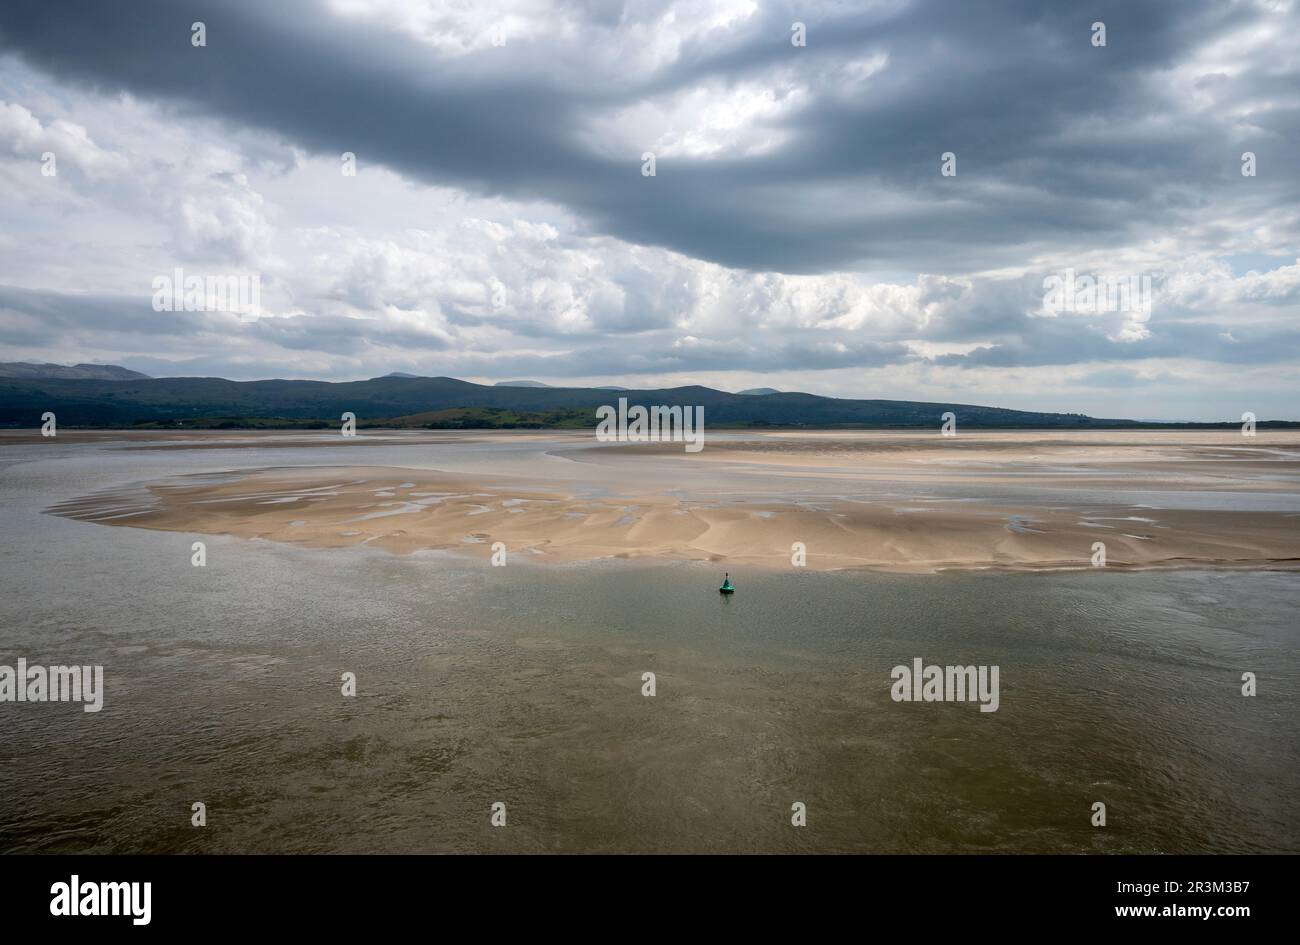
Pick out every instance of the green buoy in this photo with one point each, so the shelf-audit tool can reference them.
(726, 587)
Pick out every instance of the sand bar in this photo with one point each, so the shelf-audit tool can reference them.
(906, 502)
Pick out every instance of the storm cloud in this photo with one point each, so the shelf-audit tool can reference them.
(797, 225)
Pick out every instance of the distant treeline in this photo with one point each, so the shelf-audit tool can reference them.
(448, 403)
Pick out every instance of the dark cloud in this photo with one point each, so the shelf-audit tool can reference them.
(1059, 342)
(48, 319)
(30, 318)
(1124, 159)
(1058, 143)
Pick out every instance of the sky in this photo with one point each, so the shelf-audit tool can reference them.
(857, 199)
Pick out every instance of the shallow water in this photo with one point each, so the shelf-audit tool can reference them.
(522, 684)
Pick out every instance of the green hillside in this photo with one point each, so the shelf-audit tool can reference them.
(448, 403)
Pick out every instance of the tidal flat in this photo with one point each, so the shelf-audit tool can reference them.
(523, 684)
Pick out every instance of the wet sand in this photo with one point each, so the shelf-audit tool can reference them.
(523, 684)
(886, 501)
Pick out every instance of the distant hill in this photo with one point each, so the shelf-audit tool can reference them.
(758, 391)
(400, 374)
(215, 402)
(493, 418)
(97, 372)
(520, 384)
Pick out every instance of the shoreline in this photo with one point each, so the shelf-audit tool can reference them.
(886, 503)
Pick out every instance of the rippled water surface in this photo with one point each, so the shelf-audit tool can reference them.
(523, 685)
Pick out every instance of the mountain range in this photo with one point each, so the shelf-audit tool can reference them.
(116, 397)
(99, 372)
